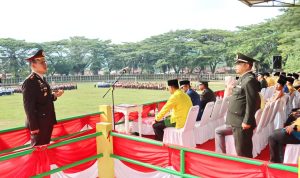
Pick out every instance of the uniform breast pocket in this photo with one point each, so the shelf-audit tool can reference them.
(237, 91)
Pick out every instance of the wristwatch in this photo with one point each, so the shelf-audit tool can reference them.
(295, 128)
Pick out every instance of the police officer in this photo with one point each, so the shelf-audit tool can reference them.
(243, 104)
(38, 101)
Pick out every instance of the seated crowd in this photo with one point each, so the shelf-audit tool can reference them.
(142, 85)
(64, 86)
(54, 87)
(246, 96)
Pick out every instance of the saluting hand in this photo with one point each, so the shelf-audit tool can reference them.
(245, 126)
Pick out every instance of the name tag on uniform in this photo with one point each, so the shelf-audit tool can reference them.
(238, 86)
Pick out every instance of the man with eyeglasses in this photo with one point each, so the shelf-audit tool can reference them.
(38, 101)
(243, 104)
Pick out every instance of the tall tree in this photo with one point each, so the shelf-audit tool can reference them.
(79, 52)
(13, 54)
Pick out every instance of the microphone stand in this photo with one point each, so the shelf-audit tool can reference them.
(112, 88)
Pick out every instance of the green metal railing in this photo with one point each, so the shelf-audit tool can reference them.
(153, 167)
(217, 155)
(53, 139)
(75, 163)
(29, 151)
(183, 150)
(139, 139)
(79, 116)
(283, 167)
(59, 120)
(157, 143)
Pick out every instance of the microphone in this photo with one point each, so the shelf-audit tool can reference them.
(124, 70)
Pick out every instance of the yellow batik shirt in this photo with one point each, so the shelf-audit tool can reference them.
(180, 103)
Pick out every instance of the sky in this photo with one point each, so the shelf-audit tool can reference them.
(121, 20)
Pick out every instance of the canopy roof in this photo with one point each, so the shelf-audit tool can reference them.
(271, 3)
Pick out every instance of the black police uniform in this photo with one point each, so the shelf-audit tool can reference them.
(39, 108)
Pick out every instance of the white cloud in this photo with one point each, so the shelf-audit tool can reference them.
(120, 20)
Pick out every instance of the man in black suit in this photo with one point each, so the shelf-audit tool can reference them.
(38, 101)
(207, 96)
(262, 80)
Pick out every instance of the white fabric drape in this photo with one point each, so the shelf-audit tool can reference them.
(123, 171)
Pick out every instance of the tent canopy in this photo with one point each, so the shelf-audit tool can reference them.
(271, 3)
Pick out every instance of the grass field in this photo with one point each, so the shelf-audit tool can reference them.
(82, 101)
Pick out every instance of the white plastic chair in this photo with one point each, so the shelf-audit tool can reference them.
(276, 109)
(262, 130)
(214, 118)
(290, 104)
(146, 126)
(184, 136)
(255, 138)
(230, 146)
(287, 100)
(229, 140)
(296, 100)
(291, 154)
(223, 111)
(258, 116)
(280, 116)
(263, 91)
(269, 92)
(202, 128)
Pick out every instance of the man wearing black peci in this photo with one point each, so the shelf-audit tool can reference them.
(185, 85)
(38, 101)
(206, 96)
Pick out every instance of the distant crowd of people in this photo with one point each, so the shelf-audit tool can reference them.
(54, 87)
(64, 86)
(292, 80)
(142, 85)
(6, 91)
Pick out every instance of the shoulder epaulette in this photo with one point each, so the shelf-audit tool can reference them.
(31, 77)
